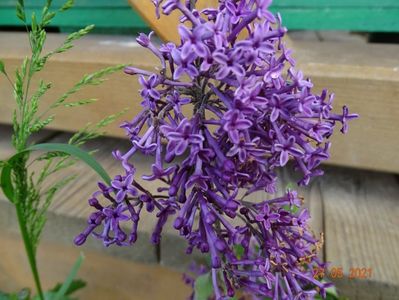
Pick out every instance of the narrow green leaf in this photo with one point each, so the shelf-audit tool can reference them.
(6, 181)
(2, 67)
(76, 285)
(76, 152)
(333, 292)
(203, 288)
(69, 280)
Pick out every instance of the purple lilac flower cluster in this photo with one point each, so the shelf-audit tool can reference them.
(279, 254)
(250, 113)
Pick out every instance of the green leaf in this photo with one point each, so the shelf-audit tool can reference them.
(331, 294)
(76, 152)
(75, 285)
(203, 288)
(6, 181)
(239, 251)
(290, 186)
(332, 291)
(63, 291)
(2, 67)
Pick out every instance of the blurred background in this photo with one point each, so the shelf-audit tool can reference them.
(348, 46)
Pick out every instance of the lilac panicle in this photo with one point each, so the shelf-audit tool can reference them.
(251, 112)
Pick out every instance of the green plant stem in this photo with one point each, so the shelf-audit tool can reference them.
(29, 251)
(19, 201)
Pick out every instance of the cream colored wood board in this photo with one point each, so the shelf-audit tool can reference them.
(361, 213)
(366, 77)
(357, 211)
(107, 277)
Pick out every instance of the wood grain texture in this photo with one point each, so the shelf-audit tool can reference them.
(369, 86)
(299, 15)
(107, 277)
(335, 3)
(90, 55)
(357, 211)
(165, 27)
(113, 16)
(361, 213)
(337, 18)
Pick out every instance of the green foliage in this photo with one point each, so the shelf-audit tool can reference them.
(203, 288)
(239, 251)
(2, 67)
(87, 80)
(26, 190)
(23, 294)
(62, 291)
(67, 5)
(34, 216)
(66, 288)
(21, 10)
(91, 132)
(80, 102)
(75, 285)
(332, 294)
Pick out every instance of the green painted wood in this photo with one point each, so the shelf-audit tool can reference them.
(116, 16)
(109, 16)
(78, 3)
(277, 3)
(355, 19)
(336, 3)
(76, 18)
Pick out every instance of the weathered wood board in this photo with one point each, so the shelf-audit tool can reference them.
(108, 277)
(368, 85)
(358, 212)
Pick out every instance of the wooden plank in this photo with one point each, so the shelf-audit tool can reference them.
(165, 27)
(305, 15)
(335, 3)
(106, 17)
(354, 19)
(107, 277)
(59, 3)
(91, 54)
(276, 3)
(357, 211)
(362, 230)
(368, 85)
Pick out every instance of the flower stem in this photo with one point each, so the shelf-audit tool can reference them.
(20, 200)
(30, 252)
